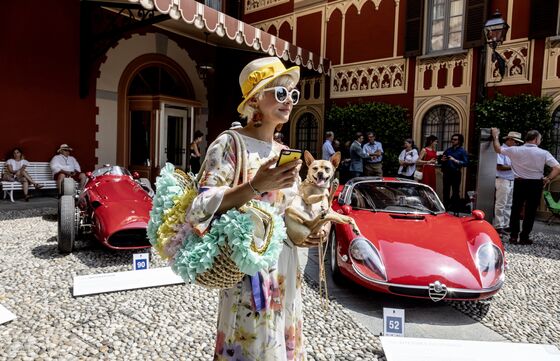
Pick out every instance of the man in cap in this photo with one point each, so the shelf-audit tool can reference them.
(527, 163)
(504, 184)
(63, 165)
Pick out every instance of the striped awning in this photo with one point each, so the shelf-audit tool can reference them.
(234, 31)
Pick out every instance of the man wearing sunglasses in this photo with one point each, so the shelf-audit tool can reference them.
(453, 160)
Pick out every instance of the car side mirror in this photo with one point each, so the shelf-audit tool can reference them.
(478, 214)
(89, 175)
(135, 175)
(346, 209)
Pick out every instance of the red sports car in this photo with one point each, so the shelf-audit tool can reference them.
(409, 245)
(114, 207)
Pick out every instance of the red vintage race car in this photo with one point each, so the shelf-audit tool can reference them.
(409, 245)
(114, 207)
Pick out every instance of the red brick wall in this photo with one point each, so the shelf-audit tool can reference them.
(309, 32)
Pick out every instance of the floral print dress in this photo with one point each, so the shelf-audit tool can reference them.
(273, 332)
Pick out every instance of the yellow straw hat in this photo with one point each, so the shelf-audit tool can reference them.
(258, 73)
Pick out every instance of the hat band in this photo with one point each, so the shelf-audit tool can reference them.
(259, 75)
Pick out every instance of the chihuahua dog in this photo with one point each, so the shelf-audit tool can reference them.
(311, 208)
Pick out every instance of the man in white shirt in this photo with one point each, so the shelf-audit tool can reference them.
(328, 150)
(527, 163)
(504, 184)
(63, 165)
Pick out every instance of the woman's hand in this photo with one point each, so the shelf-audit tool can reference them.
(269, 179)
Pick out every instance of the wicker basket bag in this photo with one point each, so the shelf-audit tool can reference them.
(238, 242)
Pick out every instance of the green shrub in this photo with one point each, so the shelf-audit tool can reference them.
(390, 123)
(519, 113)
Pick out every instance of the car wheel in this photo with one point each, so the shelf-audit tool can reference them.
(335, 270)
(66, 224)
(68, 187)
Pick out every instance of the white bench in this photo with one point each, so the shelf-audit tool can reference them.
(39, 171)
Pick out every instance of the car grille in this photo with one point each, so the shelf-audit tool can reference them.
(129, 238)
(420, 292)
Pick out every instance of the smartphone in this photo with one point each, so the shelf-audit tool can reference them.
(288, 155)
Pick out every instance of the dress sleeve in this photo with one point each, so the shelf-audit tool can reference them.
(217, 177)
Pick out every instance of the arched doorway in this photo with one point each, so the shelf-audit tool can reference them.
(307, 127)
(441, 121)
(156, 115)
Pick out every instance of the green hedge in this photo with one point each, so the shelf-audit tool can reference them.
(519, 113)
(390, 123)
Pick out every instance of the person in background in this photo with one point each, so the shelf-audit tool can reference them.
(527, 163)
(373, 165)
(452, 162)
(63, 165)
(279, 138)
(427, 160)
(357, 156)
(195, 155)
(407, 160)
(15, 171)
(328, 150)
(504, 184)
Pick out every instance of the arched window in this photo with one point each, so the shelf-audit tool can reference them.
(441, 121)
(157, 80)
(555, 141)
(306, 133)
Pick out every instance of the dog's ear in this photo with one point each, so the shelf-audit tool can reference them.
(335, 159)
(308, 158)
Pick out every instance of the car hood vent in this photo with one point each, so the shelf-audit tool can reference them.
(414, 217)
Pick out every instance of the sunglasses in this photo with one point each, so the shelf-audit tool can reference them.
(281, 94)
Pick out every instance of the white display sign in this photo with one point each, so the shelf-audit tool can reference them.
(393, 322)
(140, 261)
(427, 349)
(6, 315)
(122, 281)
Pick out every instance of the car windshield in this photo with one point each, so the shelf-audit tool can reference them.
(401, 197)
(110, 170)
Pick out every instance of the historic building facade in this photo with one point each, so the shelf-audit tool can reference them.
(425, 55)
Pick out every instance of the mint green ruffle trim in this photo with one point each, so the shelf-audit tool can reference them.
(167, 188)
(197, 254)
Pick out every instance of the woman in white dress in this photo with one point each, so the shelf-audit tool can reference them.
(261, 317)
(15, 171)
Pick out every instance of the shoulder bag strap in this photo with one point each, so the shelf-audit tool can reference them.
(240, 153)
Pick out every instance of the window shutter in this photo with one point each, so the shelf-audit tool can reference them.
(544, 14)
(475, 17)
(413, 36)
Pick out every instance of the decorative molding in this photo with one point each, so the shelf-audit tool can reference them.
(382, 77)
(551, 75)
(428, 72)
(519, 58)
(252, 6)
(277, 23)
(307, 88)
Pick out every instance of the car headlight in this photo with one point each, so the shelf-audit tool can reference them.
(366, 258)
(490, 263)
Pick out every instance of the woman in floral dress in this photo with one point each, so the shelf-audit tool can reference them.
(261, 317)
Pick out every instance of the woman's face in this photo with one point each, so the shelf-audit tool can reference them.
(17, 154)
(274, 111)
(407, 145)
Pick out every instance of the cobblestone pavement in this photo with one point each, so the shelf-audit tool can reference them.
(163, 323)
(178, 322)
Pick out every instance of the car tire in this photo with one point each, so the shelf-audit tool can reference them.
(68, 187)
(337, 276)
(66, 224)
